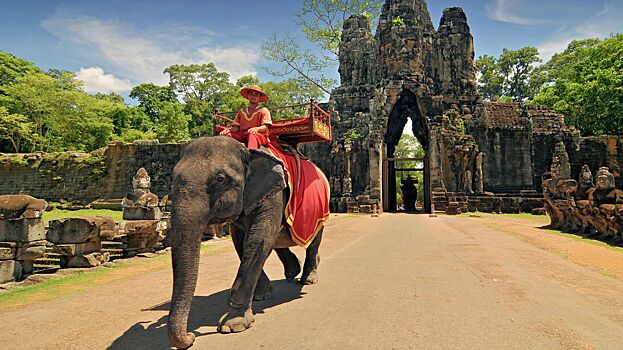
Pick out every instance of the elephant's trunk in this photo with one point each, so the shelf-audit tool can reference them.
(185, 249)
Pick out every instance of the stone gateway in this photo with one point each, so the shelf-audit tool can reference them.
(410, 70)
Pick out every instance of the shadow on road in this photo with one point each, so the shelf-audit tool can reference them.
(205, 311)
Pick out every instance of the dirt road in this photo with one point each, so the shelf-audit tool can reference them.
(395, 282)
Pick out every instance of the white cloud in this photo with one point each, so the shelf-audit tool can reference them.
(141, 55)
(236, 61)
(505, 10)
(95, 80)
(600, 25)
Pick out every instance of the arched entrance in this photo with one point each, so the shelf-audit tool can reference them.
(406, 107)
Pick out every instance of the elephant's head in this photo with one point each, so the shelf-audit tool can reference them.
(216, 180)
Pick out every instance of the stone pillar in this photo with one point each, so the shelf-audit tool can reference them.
(376, 170)
(347, 185)
(22, 235)
(434, 156)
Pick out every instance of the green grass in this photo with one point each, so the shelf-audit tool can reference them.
(63, 214)
(64, 285)
(59, 286)
(584, 240)
(526, 216)
(544, 219)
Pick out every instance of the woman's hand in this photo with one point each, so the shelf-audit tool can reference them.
(253, 130)
(225, 132)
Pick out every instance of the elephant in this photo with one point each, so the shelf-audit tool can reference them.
(218, 180)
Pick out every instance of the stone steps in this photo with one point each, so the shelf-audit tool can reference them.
(115, 249)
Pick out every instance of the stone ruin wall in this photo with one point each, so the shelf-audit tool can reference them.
(86, 177)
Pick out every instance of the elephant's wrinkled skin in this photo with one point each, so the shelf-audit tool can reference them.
(218, 180)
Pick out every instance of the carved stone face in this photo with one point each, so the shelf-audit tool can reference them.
(604, 180)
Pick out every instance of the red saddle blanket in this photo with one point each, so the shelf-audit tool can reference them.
(308, 206)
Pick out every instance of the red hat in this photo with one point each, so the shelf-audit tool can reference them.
(244, 92)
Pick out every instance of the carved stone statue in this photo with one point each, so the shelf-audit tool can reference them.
(141, 204)
(604, 191)
(478, 176)
(467, 185)
(585, 182)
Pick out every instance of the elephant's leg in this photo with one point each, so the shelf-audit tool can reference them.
(291, 264)
(263, 289)
(312, 259)
(258, 243)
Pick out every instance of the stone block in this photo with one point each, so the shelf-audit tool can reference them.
(10, 270)
(31, 250)
(78, 248)
(365, 208)
(19, 206)
(142, 213)
(142, 234)
(89, 260)
(80, 230)
(22, 230)
(8, 250)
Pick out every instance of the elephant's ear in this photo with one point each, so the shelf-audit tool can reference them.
(265, 177)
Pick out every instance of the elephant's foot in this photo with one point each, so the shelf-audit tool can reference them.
(263, 290)
(310, 270)
(292, 269)
(236, 320)
(182, 341)
(311, 278)
(291, 264)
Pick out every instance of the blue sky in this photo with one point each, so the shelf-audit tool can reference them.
(114, 45)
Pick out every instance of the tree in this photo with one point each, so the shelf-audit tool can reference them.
(509, 75)
(321, 22)
(131, 119)
(489, 80)
(152, 98)
(290, 92)
(16, 129)
(303, 63)
(12, 67)
(62, 119)
(585, 83)
(66, 80)
(203, 89)
(113, 97)
(173, 123)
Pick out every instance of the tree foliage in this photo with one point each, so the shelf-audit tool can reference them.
(49, 111)
(15, 129)
(585, 83)
(62, 119)
(12, 67)
(321, 22)
(509, 75)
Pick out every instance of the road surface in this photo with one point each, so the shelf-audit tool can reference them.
(398, 281)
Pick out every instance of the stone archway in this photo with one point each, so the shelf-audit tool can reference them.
(406, 107)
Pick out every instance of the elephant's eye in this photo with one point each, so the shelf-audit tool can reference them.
(220, 178)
